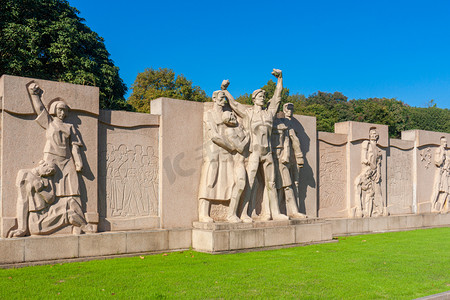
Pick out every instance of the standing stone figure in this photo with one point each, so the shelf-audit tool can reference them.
(258, 122)
(368, 183)
(223, 175)
(62, 149)
(39, 211)
(288, 158)
(441, 188)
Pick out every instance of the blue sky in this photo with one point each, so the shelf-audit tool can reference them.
(394, 49)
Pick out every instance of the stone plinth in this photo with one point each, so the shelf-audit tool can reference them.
(221, 237)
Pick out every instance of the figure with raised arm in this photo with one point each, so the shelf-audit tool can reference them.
(223, 173)
(62, 146)
(258, 122)
(288, 159)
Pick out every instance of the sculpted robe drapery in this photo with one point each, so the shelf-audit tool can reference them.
(60, 137)
(217, 172)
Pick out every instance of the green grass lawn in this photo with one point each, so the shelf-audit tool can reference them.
(400, 265)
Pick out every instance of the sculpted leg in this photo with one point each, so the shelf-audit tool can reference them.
(291, 204)
(203, 211)
(22, 214)
(76, 218)
(269, 175)
(238, 188)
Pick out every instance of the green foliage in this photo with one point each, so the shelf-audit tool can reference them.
(394, 265)
(152, 84)
(47, 39)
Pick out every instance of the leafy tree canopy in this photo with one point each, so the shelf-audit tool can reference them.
(47, 39)
(152, 84)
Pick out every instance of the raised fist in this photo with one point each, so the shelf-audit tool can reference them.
(34, 89)
(225, 84)
(277, 73)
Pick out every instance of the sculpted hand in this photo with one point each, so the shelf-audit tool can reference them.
(78, 167)
(34, 89)
(277, 73)
(225, 84)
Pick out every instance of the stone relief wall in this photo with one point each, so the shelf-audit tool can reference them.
(332, 175)
(49, 157)
(400, 177)
(128, 171)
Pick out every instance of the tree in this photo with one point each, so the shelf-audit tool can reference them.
(47, 39)
(152, 84)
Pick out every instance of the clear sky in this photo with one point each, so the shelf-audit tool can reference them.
(394, 49)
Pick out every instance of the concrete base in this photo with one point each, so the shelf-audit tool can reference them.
(222, 237)
(56, 247)
(391, 223)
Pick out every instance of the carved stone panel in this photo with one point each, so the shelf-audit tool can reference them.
(129, 171)
(399, 180)
(332, 180)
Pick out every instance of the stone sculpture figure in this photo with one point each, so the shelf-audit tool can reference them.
(61, 150)
(288, 158)
(223, 174)
(368, 183)
(441, 188)
(39, 211)
(258, 122)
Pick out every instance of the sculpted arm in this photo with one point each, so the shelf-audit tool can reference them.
(296, 147)
(35, 93)
(439, 156)
(276, 99)
(216, 138)
(238, 108)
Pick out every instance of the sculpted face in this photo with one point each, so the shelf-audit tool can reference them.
(373, 135)
(61, 111)
(220, 99)
(45, 169)
(259, 99)
(444, 142)
(288, 110)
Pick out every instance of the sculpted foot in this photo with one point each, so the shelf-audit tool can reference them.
(246, 219)
(17, 233)
(280, 217)
(76, 230)
(88, 228)
(234, 219)
(264, 218)
(205, 219)
(298, 215)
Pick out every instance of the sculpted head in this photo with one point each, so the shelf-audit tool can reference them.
(288, 110)
(59, 109)
(444, 142)
(259, 97)
(46, 168)
(229, 118)
(373, 134)
(219, 98)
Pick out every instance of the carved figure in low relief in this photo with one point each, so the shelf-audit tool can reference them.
(258, 122)
(441, 188)
(39, 211)
(288, 159)
(368, 183)
(223, 176)
(62, 151)
(131, 181)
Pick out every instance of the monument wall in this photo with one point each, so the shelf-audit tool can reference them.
(67, 167)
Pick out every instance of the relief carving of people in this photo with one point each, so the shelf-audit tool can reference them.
(258, 122)
(441, 188)
(368, 183)
(131, 181)
(62, 153)
(223, 175)
(241, 140)
(288, 158)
